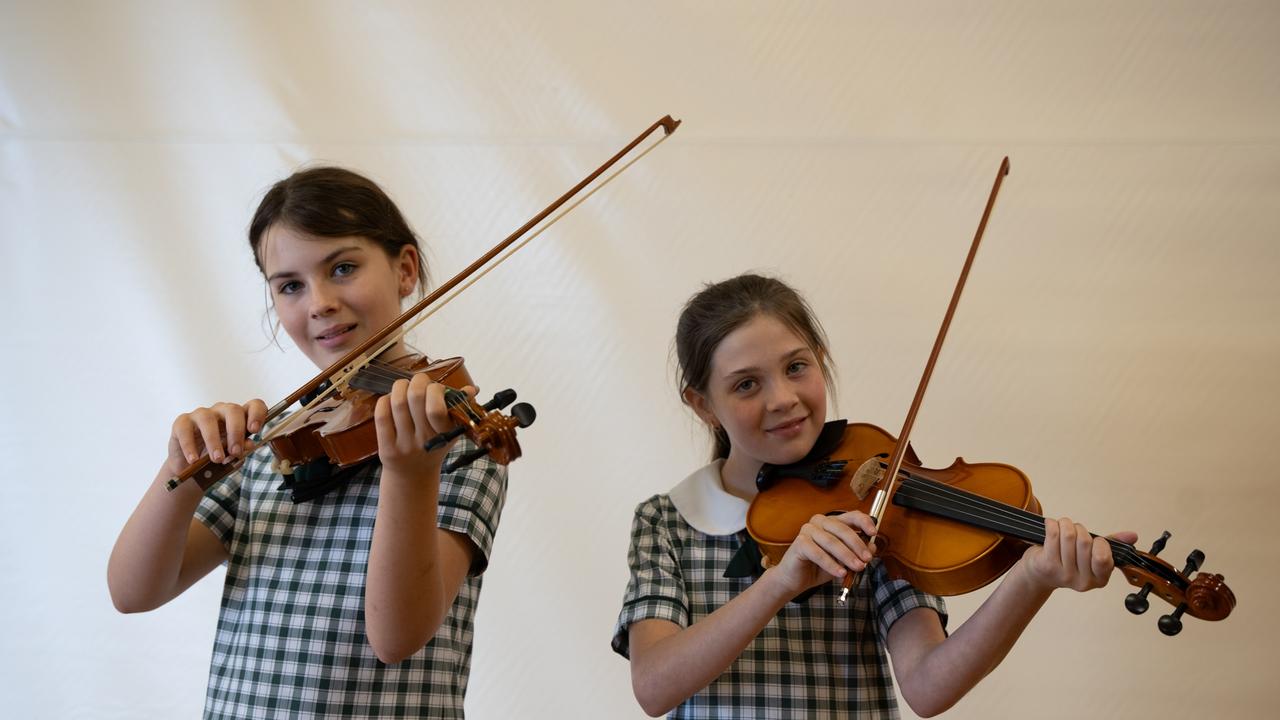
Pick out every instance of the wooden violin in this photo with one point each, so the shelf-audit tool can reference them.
(952, 530)
(340, 426)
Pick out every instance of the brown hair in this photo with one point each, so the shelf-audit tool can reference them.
(719, 309)
(334, 202)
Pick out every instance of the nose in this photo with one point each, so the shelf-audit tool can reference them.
(323, 300)
(780, 397)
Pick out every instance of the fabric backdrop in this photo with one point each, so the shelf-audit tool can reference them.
(1118, 340)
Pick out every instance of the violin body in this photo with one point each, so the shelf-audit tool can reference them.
(937, 555)
(341, 427)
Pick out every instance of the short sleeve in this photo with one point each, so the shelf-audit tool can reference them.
(656, 589)
(470, 501)
(895, 598)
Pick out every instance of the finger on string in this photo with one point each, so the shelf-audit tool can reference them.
(384, 424)
(437, 409)
(419, 400)
(1066, 543)
(1084, 552)
(399, 399)
(1052, 541)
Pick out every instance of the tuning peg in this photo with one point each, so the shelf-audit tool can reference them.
(1158, 545)
(444, 437)
(1171, 624)
(1137, 603)
(501, 399)
(524, 414)
(1194, 561)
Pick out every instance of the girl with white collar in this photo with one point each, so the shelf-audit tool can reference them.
(710, 633)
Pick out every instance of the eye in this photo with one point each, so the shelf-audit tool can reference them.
(289, 287)
(745, 385)
(344, 268)
(797, 366)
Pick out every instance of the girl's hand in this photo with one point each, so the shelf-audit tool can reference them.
(220, 431)
(1071, 557)
(407, 417)
(827, 547)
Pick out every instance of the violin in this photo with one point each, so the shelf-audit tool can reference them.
(338, 422)
(954, 529)
(948, 531)
(340, 426)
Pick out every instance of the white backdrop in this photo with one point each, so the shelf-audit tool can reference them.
(1118, 341)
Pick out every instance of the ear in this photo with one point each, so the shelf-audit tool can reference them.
(701, 406)
(406, 265)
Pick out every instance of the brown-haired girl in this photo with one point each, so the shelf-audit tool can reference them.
(710, 634)
(348, 594)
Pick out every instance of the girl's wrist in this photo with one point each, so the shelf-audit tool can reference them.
(1031, 586)
(773, 584)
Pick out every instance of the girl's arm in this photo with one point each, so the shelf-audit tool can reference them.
(163, 549)
(415, 568)
(670, 664)
(934, 671)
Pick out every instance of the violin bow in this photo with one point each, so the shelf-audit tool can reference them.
(208, 472)
(883, 495)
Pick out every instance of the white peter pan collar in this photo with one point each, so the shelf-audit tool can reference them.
(702, 501)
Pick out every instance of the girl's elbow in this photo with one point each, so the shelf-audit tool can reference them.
(390, 655)
(128, 602)
(925, 706)
(648, 695)
(652, 706)
(393, 648)
(395, 645)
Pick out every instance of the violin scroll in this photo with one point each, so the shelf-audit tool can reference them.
(486, 426)
(1206, 597)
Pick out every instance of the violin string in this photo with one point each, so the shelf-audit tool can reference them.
(1006, 518)
(387, 374)
(1123, 552)
(914, 487)
(384, 375)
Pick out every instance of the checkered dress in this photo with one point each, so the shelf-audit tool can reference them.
(815, 659)
(291, 636)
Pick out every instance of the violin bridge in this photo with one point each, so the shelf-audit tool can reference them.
(867, 476)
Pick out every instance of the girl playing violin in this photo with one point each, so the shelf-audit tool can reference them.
(342, 596)
(709, 633)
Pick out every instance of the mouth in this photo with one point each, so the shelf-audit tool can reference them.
(787, 427)
(335, 335)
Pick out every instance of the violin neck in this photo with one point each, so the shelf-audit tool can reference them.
(937, 498)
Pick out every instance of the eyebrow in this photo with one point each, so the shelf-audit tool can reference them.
(753, 370)
(325, 261)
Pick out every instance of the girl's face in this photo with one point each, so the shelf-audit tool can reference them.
(331, 294)
(767, 390)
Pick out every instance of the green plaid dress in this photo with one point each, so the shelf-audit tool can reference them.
(815, 659)
(291, 636)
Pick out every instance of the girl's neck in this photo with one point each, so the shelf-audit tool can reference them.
(738, 476)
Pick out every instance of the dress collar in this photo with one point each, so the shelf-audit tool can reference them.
(703, 502)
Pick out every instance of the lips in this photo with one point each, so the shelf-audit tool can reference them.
(334, 334)
(788, 426)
